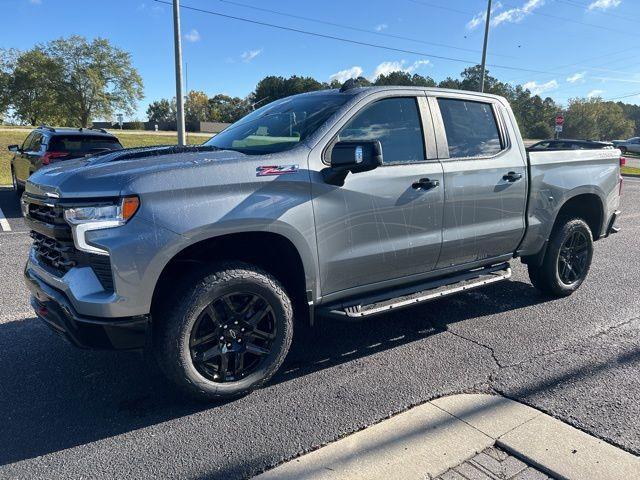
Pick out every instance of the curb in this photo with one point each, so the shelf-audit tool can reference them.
(428, 440)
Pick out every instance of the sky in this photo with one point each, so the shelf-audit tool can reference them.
(557, 48)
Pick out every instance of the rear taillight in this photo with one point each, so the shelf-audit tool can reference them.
(623, 161)
(50, 157)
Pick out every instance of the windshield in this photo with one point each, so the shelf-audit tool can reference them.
(280, 125)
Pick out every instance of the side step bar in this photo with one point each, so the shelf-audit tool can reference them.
(425, 292)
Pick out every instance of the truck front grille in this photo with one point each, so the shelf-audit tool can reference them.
(59, 257)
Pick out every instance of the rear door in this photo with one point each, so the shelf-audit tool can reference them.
(484, 177)
(379, 226)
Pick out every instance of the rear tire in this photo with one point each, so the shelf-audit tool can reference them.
(226, 333)
(623, 150)
(567, 259)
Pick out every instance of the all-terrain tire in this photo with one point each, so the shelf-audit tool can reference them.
(173, 329)
(551, 277)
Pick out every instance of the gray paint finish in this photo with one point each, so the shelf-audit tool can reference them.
(374, 232)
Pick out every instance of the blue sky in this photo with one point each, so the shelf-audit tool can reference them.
(559, 48)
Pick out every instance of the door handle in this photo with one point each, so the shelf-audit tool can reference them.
(425, 184)
(512, 177)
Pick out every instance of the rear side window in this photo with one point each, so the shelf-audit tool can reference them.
(471, 128)
(82, 144)
(393, 121)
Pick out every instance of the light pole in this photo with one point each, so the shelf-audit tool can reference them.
(178, 54)
(484, 48)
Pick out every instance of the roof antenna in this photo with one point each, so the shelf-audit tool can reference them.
(349, 85)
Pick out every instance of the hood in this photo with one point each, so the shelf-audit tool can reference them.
(109, 174)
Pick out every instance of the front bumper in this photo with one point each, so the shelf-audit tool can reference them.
(54, 308)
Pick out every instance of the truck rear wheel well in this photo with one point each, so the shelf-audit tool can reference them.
(269, 251)
(586, 206)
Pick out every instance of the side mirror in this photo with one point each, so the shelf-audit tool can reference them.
(14, 148)
(354, 157)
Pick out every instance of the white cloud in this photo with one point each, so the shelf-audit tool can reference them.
(538, 88)
(380, 27)
(595, 93)
(344, 75)
(250, 55)
(515, 15)
(576, 77)
(193, 36)
(481, 17)
(385, 68)
(603, 4)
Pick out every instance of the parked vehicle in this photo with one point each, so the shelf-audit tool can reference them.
(345, 203)
(632, 145)
(564, 144)
(47, 145)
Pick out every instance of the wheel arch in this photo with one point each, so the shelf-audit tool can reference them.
(273, 252)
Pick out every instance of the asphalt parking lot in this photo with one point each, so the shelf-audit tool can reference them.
(66, 413)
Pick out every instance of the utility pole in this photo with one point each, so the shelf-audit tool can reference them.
(486, 41)
(178, 54)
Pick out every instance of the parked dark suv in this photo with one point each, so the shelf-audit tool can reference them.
(46, 145)
(564, 144)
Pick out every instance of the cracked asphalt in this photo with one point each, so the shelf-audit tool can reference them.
(66, 413)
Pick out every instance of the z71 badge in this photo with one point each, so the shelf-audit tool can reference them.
(265, 171)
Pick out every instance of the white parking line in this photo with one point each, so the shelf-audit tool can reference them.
(4, 223)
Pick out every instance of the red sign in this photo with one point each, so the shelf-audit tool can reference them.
(559, 120)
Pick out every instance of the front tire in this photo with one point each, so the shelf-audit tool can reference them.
(623, 150)
(567, 259)
(16, 186)
(227, 334)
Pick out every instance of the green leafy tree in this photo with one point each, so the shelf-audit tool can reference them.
(273, 88)
(595, 119)
(8, 60)
(162, 111)
(405, 79)
(223, 108)
(196, 109)
(97, 78)
(33, 88)
(632, 112)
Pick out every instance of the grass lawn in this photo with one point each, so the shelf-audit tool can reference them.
(631, 170)
(128, 139)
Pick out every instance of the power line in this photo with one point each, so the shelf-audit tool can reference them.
(636, 94)
(571, 20)
(356, 29)
(355, 42)
(585, 6)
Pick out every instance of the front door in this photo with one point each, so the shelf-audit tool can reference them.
(485, 180)
(382, 224)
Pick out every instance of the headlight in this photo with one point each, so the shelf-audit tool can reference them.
(85, 219)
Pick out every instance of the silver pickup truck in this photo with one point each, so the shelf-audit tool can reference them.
(343, 203)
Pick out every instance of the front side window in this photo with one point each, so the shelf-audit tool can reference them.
(471, 128)
(393, 121)
(280, 125)
(36, 143)
(27, 142)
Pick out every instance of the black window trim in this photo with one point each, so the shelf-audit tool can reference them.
(422, 116)
(505, 141)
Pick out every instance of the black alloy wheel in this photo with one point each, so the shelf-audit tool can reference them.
(232, 337)
(573, 257)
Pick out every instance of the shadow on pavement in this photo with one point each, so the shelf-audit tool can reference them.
(10, 203)
(56, 397)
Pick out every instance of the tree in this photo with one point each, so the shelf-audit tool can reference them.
(595, 119)
(196, 109)
(162, 111)
(33, 88)
(223, 108)
(273, 88)
(8, 59)
(97, 78)
(405, 79)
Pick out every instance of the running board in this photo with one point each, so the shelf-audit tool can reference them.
(427, 292)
